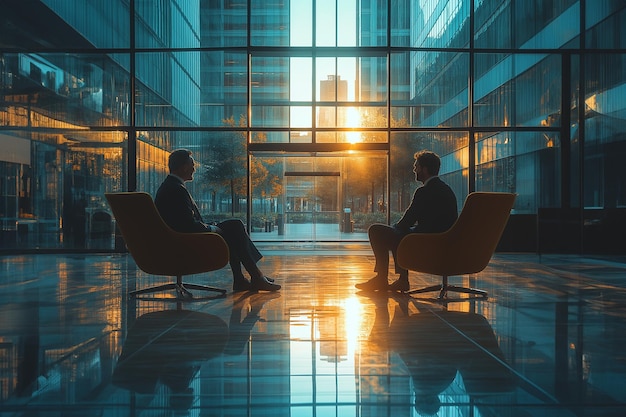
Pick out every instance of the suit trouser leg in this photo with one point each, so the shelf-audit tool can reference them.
(242, 249)
(383, 239)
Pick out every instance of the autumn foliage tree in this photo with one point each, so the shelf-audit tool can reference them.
(227, 165)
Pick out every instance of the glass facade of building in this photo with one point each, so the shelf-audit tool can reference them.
(304, 116)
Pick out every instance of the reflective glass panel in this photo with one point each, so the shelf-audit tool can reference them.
(168, 93)
(525, 163)
(270, 91)
(372, 23)
(52, 185)
(269, 23)
(402, 93)
(64, 90)
(605, 124)
(440, 24)
(224, 23)
(402, 14)
(223, 87)
(527, 24)
(517, 90)
(605, 24)
(167, 24)
(438, 88)
(370, 77)
(43, 24)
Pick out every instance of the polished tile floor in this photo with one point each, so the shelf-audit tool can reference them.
(549, 341)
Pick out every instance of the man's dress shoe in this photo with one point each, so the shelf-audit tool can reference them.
(374, 284)
(263, 284)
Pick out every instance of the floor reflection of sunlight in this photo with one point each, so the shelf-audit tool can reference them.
(354, 316)
(300, 362)
(323, 342)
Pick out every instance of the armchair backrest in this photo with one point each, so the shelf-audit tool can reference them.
(465, 248)
(155, 247)
(477, 231)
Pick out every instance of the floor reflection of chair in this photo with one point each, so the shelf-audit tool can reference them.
(159, 250)
(168, 347)
(244, 317)
(435, 345)
(466, 248)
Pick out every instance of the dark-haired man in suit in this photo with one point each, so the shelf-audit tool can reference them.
(433, 209)
(180, 212)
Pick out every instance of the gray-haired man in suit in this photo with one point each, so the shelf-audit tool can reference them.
(180, 212)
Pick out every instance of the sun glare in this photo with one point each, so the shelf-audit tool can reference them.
(353, 308)
(353, 120)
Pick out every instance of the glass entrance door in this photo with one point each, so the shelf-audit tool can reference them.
(329, 197)
(311, 205)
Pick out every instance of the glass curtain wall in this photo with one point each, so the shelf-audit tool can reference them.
(306, 115)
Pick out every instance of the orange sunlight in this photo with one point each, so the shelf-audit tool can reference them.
(353, 120)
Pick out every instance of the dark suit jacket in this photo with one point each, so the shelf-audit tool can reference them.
(177, 208)
(181, 213)
(433, 209)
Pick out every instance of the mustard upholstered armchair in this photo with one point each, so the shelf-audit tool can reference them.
(465, 248)
(159, 250)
